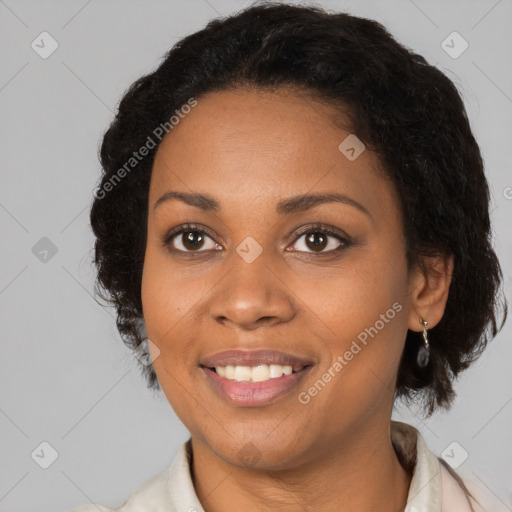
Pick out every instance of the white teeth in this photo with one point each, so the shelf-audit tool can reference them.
(229, 372)
(260, 373)
(242, 373)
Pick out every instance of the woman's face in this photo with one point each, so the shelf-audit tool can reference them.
(265, 275)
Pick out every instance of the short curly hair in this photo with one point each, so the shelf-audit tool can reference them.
(405, 110)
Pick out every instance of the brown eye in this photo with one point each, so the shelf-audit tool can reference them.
(189, 239)
(192, 240)
(317, 239)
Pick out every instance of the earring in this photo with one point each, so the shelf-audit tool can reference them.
(424, 350)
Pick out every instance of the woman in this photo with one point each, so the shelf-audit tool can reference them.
(293, 221)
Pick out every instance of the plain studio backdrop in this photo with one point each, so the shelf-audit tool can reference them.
(77, 423)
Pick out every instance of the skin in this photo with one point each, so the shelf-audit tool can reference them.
(249, 149)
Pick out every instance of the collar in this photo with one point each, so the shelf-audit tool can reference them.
(173, 489)
(425, 491)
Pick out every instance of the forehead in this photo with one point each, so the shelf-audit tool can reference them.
(248, 145)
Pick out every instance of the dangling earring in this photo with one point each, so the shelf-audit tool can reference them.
(424, 350)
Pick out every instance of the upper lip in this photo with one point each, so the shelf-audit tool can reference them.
(254, 358)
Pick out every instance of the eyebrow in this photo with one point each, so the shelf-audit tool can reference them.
(286, 206)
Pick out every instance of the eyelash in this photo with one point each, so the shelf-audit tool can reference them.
(315, 228)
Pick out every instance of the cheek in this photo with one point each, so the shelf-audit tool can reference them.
(173, 297)
(164, 303)
(353, 295)
(166, 298)
(366, 326)
(364, 307)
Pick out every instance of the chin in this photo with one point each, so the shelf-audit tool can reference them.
(258, 450)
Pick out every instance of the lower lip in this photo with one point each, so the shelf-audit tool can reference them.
(254, 394)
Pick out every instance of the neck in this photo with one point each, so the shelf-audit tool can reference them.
(361, 472)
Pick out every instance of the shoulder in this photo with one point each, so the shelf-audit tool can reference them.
(435, 486)
(458, 494)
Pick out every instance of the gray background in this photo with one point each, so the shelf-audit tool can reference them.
(66, 377)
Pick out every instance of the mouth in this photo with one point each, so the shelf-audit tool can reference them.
(257, 373)
(254, 378)
(222, 361)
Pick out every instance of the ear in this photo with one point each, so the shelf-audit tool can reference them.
(429, 287)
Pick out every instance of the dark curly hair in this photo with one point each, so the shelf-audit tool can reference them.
(405, 110)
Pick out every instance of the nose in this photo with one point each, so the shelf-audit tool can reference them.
(252, 295)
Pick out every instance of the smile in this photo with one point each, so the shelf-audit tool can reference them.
(255, 386)
(259, 373)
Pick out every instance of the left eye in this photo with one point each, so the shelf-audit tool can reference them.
(318, 240)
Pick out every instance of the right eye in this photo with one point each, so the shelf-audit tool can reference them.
(188, 238)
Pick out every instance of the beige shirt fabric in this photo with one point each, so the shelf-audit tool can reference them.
(432, 489)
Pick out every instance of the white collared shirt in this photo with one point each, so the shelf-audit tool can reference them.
(432, 489)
